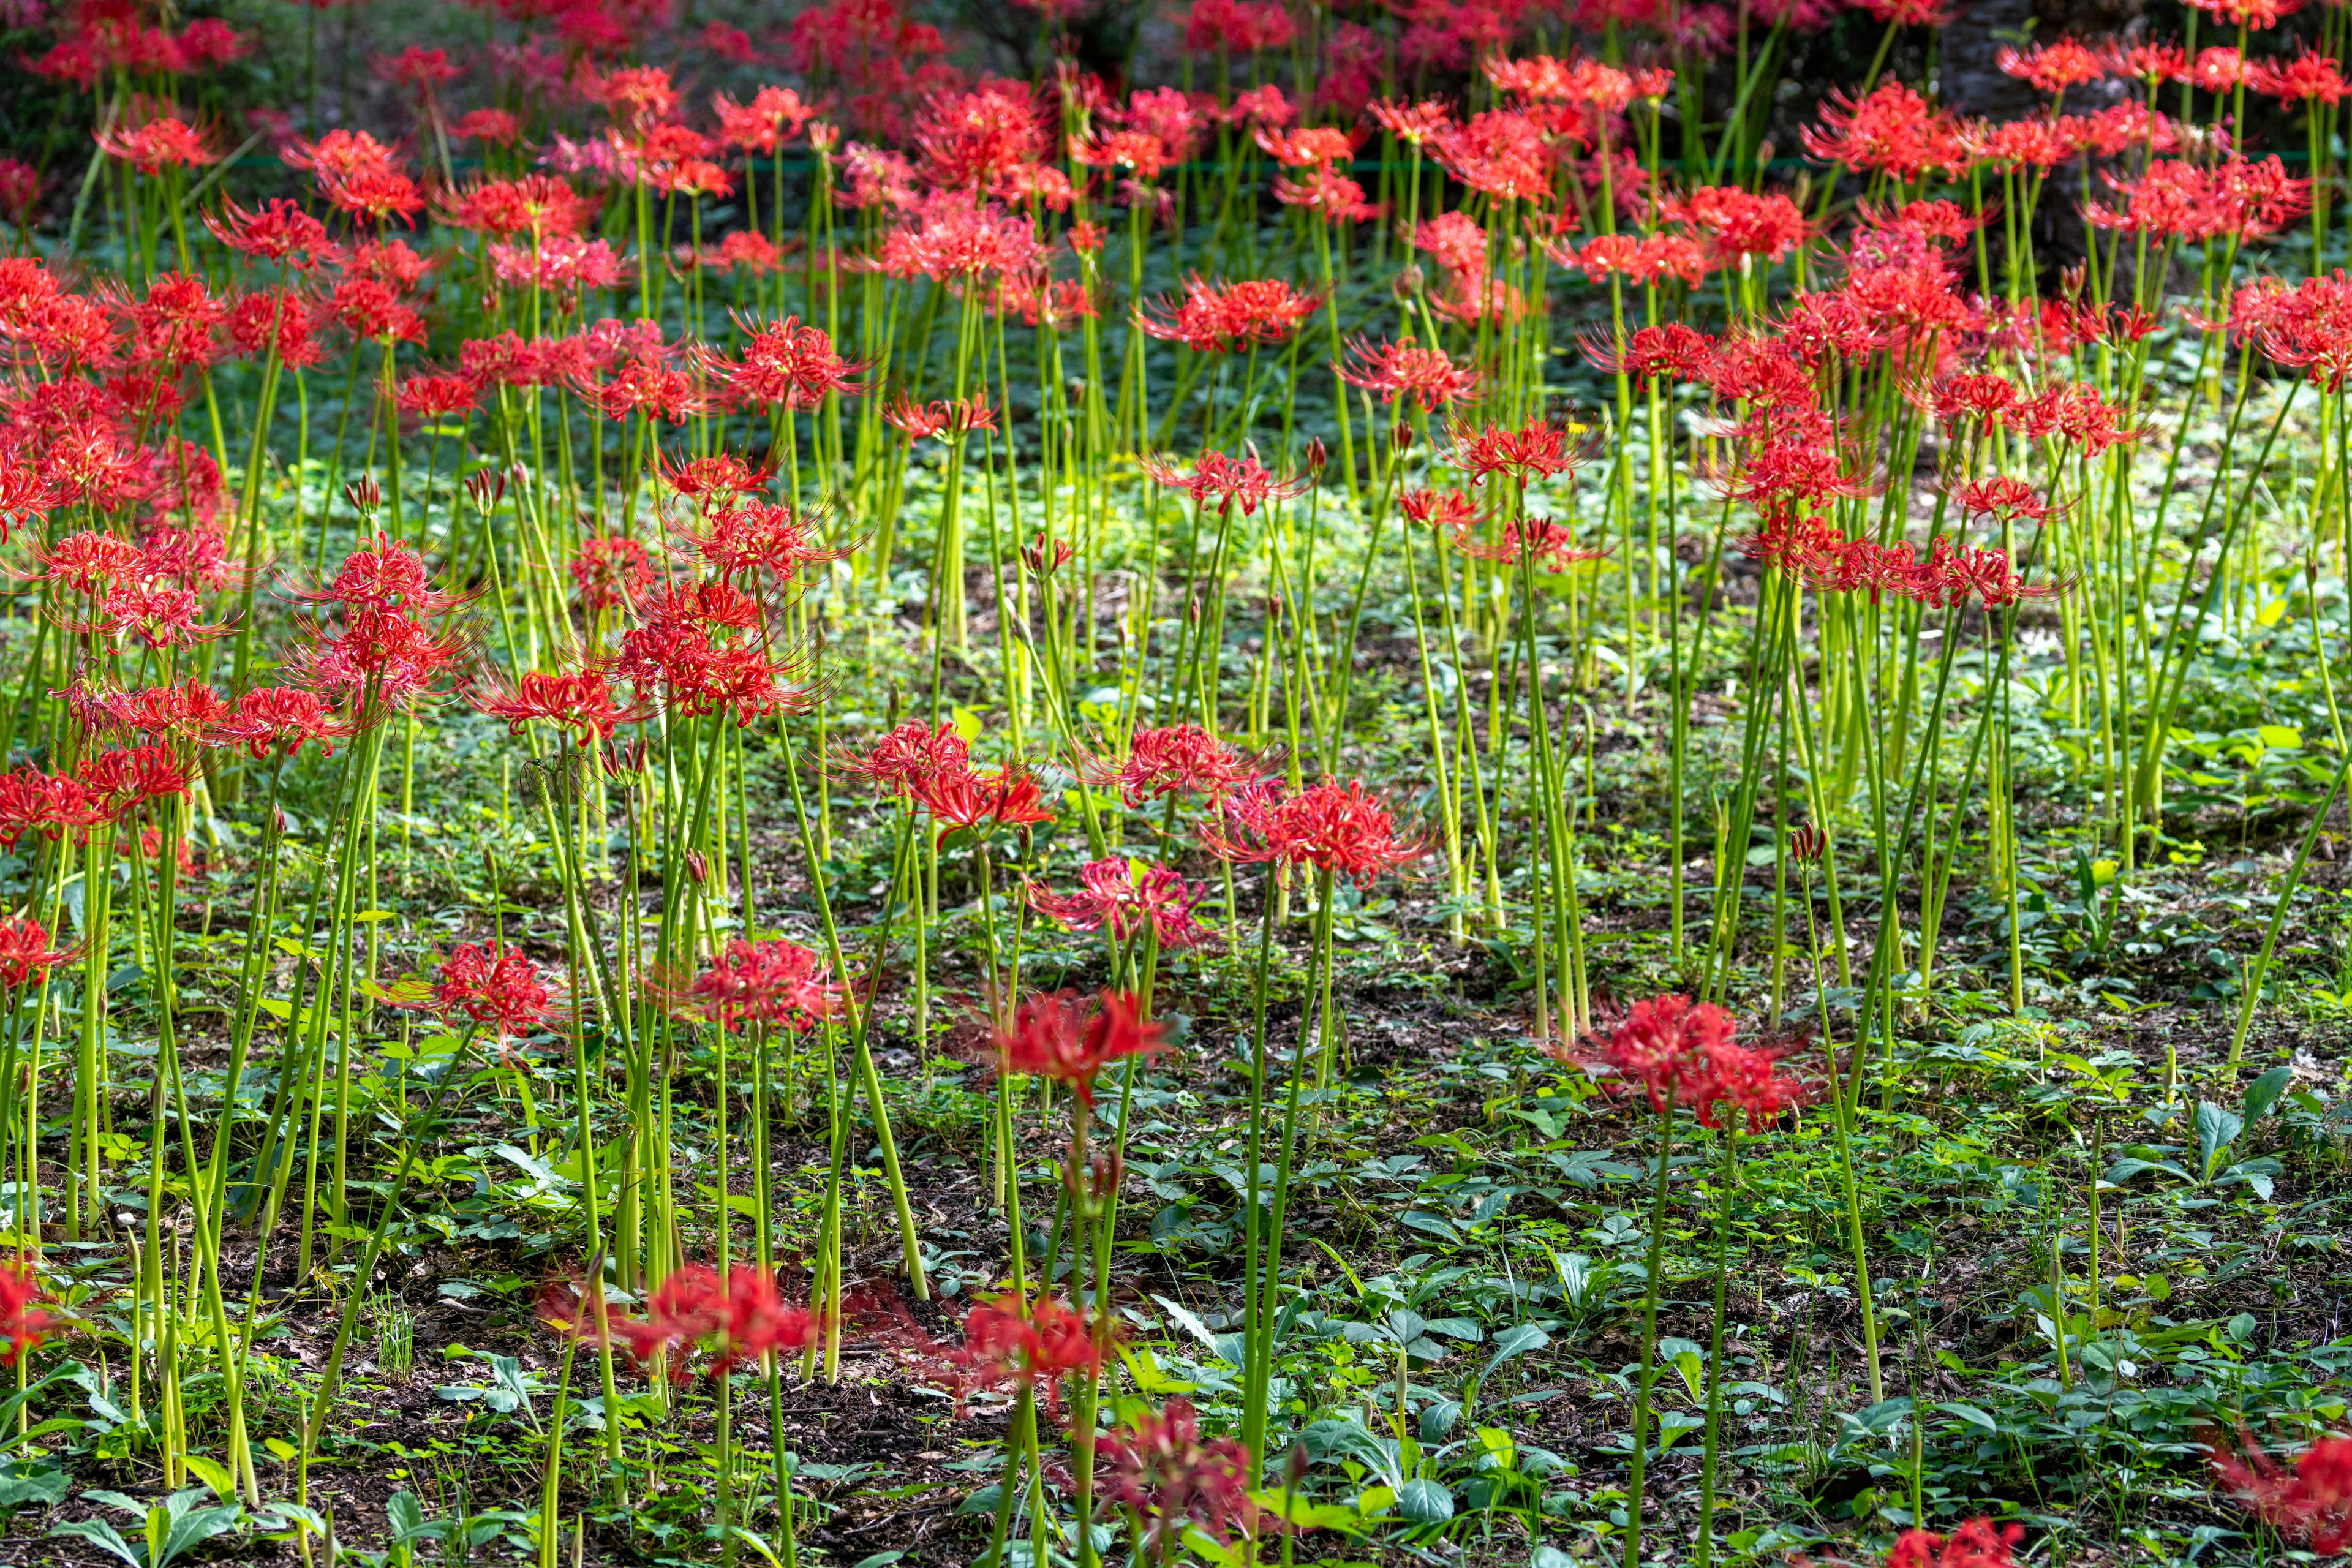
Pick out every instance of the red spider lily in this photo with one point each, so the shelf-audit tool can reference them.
(1742, 1078)
(2308, 78)
(1043, 562)
(495, 126)
(164, 143)
(1648, 259)
(1123, 895)
(611, 571)
(951, 416)
(1795, 544)
(1215, 477)
(25, 1323)
(742, 1319)
(379, 652)
(33, 802)
(1537, 449)
(2311, 1503)
(776, 981)
(1906, 13)
(1671, 351)
(1955, 574)
(1053, 1035)
(1663, 1046)
(358, 174)
(774, 116)
(581, 701)
(772, 537)
(438, 397)
(1893, 131)
(1740, 222)
(1334, 828)
(1008, 1340)
(2080, 415)
(719, 476)
(180, 710)
(1220, 317)
(1499, 152)
(1537, 539)
(2054, 67)
(788, 363)
(951, 241)
(538, 205)
(1438, 508)
(25, 952)
(909, 756)
(1159, 1464)
(2256, 15)
(282, 719)
(1237, 26)
(1404, 368)
(1978, 1543)
(278, 231)
(1323, 189)
(2002, 497)
(1414, 123)
(121, 779)
(962, 801)
(1181, 759)
(381, 574)
(1308, 145)
(498, 988)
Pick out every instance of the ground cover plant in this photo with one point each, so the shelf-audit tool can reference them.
(1453, 783)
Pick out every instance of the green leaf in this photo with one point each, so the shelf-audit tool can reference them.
(1426, 1502)
(2216, 1129)
(2265, 1092)
(103, 1536)
(1969, 1414)
(43, 1482)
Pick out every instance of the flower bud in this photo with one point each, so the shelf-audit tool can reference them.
(364, 494)
(1400, 436)
(1317, 455)
(696, 867)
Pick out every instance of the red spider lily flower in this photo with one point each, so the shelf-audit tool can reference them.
(1035, 556)
(164, 143)
(282, 719)
(1663, 1047)
(1161, 1466)
(909, 756)
(2080, 415)
(1893, 131)
(962, 801)
(947, 415)
(537, 205)
(967, 138)
(1181, 759)
(581, 701)
(1008, 1340)
(1438, 508)
(1954, 574)
(1795, 544)
(1237, 26)
(744, 1318)
(119, 780)
(495, 126)
(1538, 539)
(1334, 828)
(773, 982)
(1053, 1035)
(381, 572)
(1404, 368)
(1323, 189)
(20, 189)
(1221, 318)
(1308, 145)
(1743, 1078)
(1226, 480)
(1978, 1543)
(611, 571)
(1123, 895)
(33, 802)
(1906, 13)
(793, 365)
(418, 68)
(774, 116)
(358, 174)
(2054, 67)
(379, 652)
(1537, 449)
(1500, 152)
(24, 1321)
(1671, 351)
(950, 241)
(772, 537)
(25, 952)
(718, 477)
(1412, 123)
(501, 988)
(278, 231)
(2256, 15)
(1781, 476)
(1740, 222)
(429, 396)
(2311, 1503)
(2000, 497)
(180, 710)
(2308, 78)
(2215, 70)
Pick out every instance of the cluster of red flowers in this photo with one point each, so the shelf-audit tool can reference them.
(1125, 897)
(2310, 1502)
(25, 1321)
(1158, 1465)
(1027, 1345)
(1685, 1055)
(1335, 827)
(776, 981)
(742, 1317)
(1053, 1035)
(496, 988)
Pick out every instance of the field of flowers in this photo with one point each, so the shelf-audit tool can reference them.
(1468, 781)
